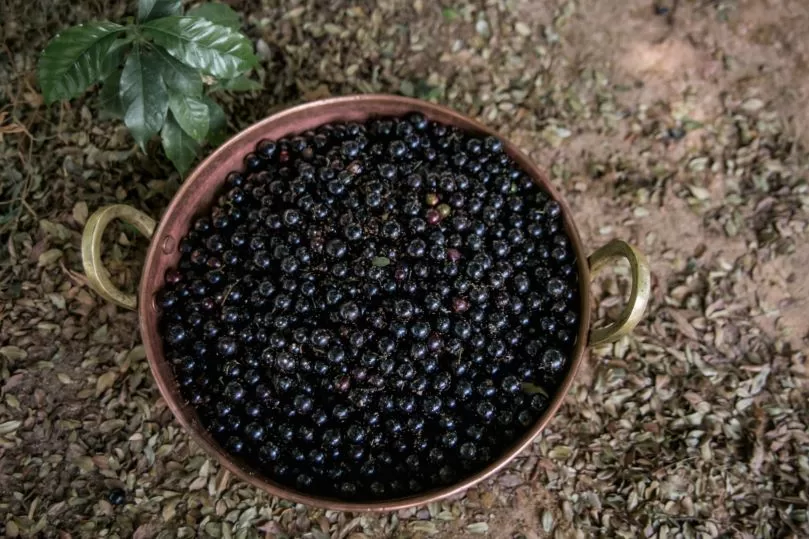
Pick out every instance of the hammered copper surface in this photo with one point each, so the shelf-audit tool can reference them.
(199, 190)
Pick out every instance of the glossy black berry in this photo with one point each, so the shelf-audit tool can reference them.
(116, 496)
(366, 309)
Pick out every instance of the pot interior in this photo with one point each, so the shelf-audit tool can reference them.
(200, 190)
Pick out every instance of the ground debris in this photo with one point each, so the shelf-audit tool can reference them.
(684, 138)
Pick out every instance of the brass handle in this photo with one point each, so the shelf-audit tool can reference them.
(97, 274)
(638, 297)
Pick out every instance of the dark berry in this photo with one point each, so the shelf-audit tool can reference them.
(552, 360)
(116, 496)
(176, 334)
(358, 312)
(336, 248)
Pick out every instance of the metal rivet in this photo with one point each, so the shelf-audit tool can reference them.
(168, 244)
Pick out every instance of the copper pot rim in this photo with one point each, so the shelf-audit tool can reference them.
(197, 192)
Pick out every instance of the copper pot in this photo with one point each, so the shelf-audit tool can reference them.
(198, 192)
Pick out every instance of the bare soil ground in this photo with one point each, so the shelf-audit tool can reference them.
(678, 126)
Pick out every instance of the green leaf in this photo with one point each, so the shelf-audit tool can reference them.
(110, 104)
(450, 14)
(218, 124)
(144, 95)
(110, 96)
(533, 389)
(155, 9)
(221, 14)
(114, 57)
(238, 84)
(178, 77)
(214, 49)
(427, 92)
(191, 113)
(74, 59)
(180, 148)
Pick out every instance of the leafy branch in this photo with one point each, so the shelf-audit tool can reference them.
(155, 74)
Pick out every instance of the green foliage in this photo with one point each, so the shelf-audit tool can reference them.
(155, 73)
(192, 115)
(199, 43)
(236, 84)
(74, 59)
(217, 125)
(143, 95)
(178, 144)
(220, 14)
(155, 9)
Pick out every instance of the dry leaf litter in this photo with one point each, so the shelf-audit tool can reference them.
(678, 126)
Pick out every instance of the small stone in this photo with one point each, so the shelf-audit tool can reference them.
(522, 29)
(547, 521)
(753, 105)
(482, 28)
(263, 50)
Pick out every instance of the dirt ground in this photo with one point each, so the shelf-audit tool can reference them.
(678, 126)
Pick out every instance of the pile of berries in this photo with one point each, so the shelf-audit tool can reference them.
(373, 310)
